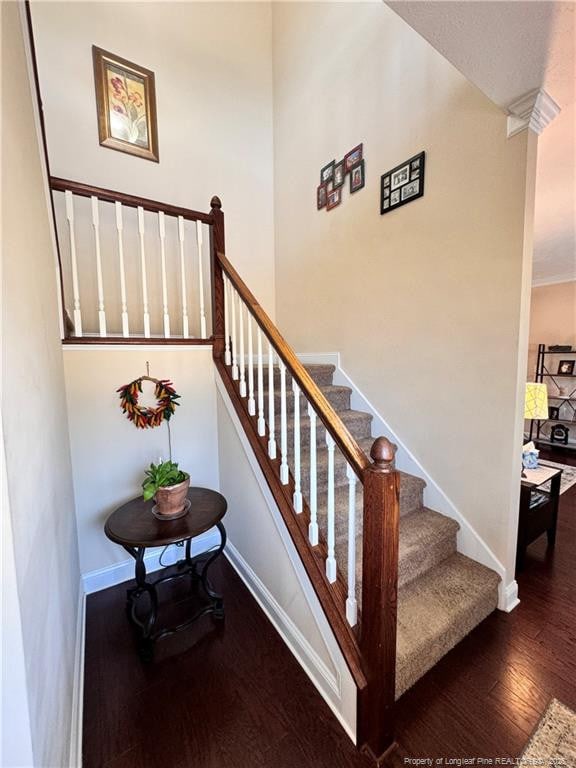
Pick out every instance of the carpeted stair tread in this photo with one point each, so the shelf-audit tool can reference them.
(338, 397)
(358, 423)
(411, 494)
(437, 610)
(426, 539)
(321, 373)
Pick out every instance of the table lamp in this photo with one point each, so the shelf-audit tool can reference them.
(535, 407)
(536, 401)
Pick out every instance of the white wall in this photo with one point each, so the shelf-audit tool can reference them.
(15, 731)
(39, 486)
(109, 454)
(213, 69)
(423, 303)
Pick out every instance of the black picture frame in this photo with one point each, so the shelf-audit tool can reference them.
(566, 367)
(553, 412)
(339, 175)
(321, 196)
(403, 183)
(327, 173)
(357, 177)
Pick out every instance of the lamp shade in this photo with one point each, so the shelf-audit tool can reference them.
(536, 402)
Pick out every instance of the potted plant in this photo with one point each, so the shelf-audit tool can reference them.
(168, 485)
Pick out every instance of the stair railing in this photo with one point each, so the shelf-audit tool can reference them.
(254, 361)
(122, 248)
(287, 431)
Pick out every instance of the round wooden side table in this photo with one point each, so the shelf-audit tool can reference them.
(135, 528)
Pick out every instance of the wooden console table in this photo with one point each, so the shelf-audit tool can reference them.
(538, 508)
(135, 528)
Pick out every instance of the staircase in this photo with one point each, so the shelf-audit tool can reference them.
(442, 595)
(395, 592)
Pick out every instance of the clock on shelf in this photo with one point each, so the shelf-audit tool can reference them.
(559, 434)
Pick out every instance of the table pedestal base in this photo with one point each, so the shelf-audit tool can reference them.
(195, 568)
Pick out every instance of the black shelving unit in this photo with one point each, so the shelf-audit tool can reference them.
(565, 403)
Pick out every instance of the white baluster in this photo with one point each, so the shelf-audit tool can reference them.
(251, 401)
(242, 356)
(201, 281)
(227, 356)
(120, 227)
(297, 497)
(96, 225)
(261, 421)
(162, 232)
(75, 284)
(313, 501)
(331, 559)
(271, 438)
(185, 329)
(284, 475)
(351, 604)
(143, 271)
(234, 347)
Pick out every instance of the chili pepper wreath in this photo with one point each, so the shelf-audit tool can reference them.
(141, 416)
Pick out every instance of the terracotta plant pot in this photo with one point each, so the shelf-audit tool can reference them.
(170, 500)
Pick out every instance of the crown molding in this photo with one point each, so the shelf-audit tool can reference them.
(554, 280)
(535, 111)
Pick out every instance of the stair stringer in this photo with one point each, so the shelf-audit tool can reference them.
(470, 543)
(261, 551)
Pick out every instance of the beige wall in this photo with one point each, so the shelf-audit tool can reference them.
(424, 303)
(38, 472)
(109, 454)
(213, 69)
(552, 318)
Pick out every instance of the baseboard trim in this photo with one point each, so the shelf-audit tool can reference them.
(75, 760)
(320, 358)
(470, 543)
(111, 575)
(288, 631)
(511, 599)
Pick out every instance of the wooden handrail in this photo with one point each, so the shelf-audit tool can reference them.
(344, 440)
(132, 201)
(371, 652)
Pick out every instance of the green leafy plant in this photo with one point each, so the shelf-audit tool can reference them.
(161, 476)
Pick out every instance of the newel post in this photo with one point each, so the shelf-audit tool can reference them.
(217, 245)
(379, 600)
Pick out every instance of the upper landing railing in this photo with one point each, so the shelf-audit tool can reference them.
(132, 270)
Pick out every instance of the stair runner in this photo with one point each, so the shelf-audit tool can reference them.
(442, 594)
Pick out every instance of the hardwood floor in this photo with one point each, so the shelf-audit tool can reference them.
(237, 698)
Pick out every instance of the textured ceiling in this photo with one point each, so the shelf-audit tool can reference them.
(507, 49)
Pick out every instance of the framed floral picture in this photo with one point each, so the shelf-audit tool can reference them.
(126, 104)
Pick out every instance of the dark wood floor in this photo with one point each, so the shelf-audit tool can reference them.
(237, 698)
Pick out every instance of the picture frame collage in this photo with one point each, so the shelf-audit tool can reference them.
(402, 184)
(333, 176)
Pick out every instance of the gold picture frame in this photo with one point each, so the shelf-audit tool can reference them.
(126, 105)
